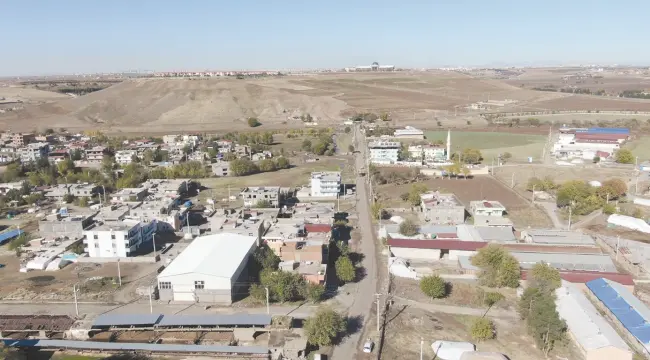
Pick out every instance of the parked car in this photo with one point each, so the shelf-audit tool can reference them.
(368, 346)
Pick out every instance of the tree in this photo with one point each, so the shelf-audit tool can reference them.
(243, 167)
(544, 277)
(267, 138)
(76, 155)
(314, 292)
(12, 172)
(263, 204)
(609, 209)
(408, 228)
(147, 156)
(324, 326)
(351, 148)
(465, 171)
(347, 130)
(492, 297)
(283, 285)
(65, 166)
(49, 131)
(345, 270)
(506, 156)
(253, 122)
(267, 165)
(377, 211)
(482, 329)
(257, 292)
(108, 163)
(306, 145)
(596, 159)
(68, 198)
(612, 189)
(543, 321)
(282, 163)
(433, 286)
(624, 156)
(384, 117)
(471, 156)
(498, 267)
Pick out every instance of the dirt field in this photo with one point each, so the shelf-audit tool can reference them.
(409, 325)
(172, 105)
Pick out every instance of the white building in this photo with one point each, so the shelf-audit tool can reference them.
(125, 157)
(384, 152)
(409, 132)
(117, 238)
(254, 194)
(427, 153)
(208, 270)
(486, 208)
(594, 335)
(34, 151)
(326, 184)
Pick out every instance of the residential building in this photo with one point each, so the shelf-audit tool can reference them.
(5, 187)
(486, 208)
(221, 168)
(96, 154)
(440, 208)
(129, 194)
(20, 140)
(58, 226)
(84, 190)
(326, 184)
(492, 221)
(427, 153)
(595, 337)
(384, 152)
(170, 139)
(57, 156)
(409, 132)
(118, 238)
(125, 157)
(34, 151)
(162, 210)
(253, 195)
(212, 269)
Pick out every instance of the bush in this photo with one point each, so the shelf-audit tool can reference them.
(314, 292)
(482, 329)
(433, 286)
(253, 122)
(408, 228)
(324, 326)
(345, 270)
(609, 209)
(257, 292)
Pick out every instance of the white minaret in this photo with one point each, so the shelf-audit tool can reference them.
(448, 145)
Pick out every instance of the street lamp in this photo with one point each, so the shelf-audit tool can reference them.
(153, 241)
(74, 292)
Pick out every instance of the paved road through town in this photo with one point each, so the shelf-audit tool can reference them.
(366, 287)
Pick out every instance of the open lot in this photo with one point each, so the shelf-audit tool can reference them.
(492, 144)
(158, 106)
(408, 325)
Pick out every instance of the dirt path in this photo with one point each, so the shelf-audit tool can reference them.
(458, 310)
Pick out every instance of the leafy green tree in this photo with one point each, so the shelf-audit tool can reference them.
(377, 210)
(506, 156)
(347, 129)
(612, 189)
(543, 320)
(147, 156)
(324, 326)
(267, 138)
(306, 145)
(257, 292)
(609, 209)
(498, 267)
(314, 292)
(471, 156)
(351, 148)
(624, 156)
(253, 122)
(243, 167)
(12, 172)
(482, 329)
(384, 116)
(283, 286)
(65, 166)
(433, 286)
(108, 163)
(345, 270)
(76, 155)
(492, 297)
(282, 163)
(408, 228)
(596, 159)
(267, 165)
(545, 184)
(544, 277)
(264, 259)
(68, 198)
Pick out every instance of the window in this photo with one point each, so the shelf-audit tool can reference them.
(96, 246)
(114, 246)
(165, 285)
(95, 236)
(113, 236)
(199, 285)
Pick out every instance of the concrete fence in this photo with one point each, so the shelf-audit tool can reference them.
(105, 260)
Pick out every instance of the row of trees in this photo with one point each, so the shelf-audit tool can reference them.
(243, 167)
(583, 198)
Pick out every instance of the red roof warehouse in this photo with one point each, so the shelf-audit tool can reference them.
(437, 244)
(611, 137)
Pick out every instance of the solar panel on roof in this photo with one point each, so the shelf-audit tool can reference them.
(126, 320)
(215, 320)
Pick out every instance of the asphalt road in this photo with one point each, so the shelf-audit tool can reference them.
(366, 287)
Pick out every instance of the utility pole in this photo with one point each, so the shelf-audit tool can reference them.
(421, 345)
(533, 194)
(153, 241)
(268, 310)
(378, 312)
(74, 292)
(512, 182)
(119, 274)
(150, 302)
(569, 217)
(618, 242)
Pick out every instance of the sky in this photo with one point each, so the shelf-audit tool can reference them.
(46, 37)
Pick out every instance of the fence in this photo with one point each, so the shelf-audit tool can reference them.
(104, 260)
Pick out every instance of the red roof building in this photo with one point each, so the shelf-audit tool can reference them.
(318, 228)
(605, 137)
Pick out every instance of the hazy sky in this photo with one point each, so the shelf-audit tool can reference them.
(68, 36)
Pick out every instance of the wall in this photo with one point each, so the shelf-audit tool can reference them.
(71, 229)
(104, 260)
(446, 215)
(416, 254)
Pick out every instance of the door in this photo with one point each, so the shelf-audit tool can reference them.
(184, 296)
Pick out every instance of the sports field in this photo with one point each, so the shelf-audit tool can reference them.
(491, 144)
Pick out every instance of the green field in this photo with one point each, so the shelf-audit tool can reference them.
(640, 147)
(491, 144)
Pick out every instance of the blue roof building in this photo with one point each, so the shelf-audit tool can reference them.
(633, 314)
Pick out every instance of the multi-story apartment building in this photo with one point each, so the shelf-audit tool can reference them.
(19, 140)
(96, 154)
(34, 151)
(326, 184)
(428, 153)
(253, 195)
(125, 157)
(384, 152)
(118, 238)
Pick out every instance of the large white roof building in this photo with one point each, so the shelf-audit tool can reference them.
(208, 269)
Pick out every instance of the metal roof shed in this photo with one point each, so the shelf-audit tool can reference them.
(126, 320)
(233, 320)
(627, 308)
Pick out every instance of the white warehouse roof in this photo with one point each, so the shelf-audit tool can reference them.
(217, 255)
(586, 324)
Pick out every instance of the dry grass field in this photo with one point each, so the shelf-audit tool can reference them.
(158, 106)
